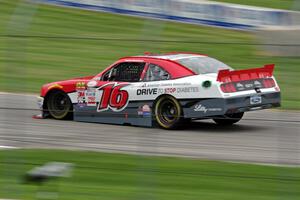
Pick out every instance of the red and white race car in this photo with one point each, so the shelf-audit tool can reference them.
(167, 89)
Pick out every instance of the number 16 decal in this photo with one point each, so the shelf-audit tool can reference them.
(113, 97)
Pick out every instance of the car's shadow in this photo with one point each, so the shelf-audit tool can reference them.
(199, 126)
(205, 126)
(208, 126)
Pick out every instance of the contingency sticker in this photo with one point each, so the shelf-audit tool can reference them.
(80, 89)
(91, 96)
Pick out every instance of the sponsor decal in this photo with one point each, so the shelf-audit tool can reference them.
(249, 85)
(206, 84)
(187, 89)
(92, 83)
(181, 84)
(81, 98)
(80, 85)
(201, 108)
(152, 85)
(171, 90)
(157, 85)
(90, 95)
(240, 86)
(144, 110)
(149, 91)
(80, 89)
(113, 97)
(166, 84)
(255, 100)
(257, 84)
(55, 86)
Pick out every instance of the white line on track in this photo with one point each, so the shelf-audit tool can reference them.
(7, 147)
(18, 94)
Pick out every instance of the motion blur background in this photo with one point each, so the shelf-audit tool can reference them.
(48, 40)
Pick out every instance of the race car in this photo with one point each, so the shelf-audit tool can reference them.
(164, 89)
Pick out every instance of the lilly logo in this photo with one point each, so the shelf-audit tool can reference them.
(200, 108)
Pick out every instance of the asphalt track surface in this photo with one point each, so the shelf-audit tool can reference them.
(267, 136)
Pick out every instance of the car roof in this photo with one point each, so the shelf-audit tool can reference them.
(169, 56)
(168, 61)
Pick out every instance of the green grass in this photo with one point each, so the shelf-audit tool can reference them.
(279, 4)
(27, 63)
(116, 176)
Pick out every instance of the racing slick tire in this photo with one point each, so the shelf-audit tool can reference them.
(168, 112)
(229, 119)
(59, 105)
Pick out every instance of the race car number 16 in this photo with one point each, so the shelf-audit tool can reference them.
(113, 97)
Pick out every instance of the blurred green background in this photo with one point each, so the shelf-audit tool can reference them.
(42, 43)
(128, 177)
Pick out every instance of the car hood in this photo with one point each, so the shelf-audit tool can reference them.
(65, 85)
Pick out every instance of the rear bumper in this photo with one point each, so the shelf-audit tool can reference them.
(221, 106)
(242, 104)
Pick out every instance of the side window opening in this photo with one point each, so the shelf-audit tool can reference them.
(125, 72)
(105, 76)
(156, 73)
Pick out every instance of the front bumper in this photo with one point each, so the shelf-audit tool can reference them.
(40, 102)
(221, 106)
(44, 113)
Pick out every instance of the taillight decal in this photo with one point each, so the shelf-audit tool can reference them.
(232, 88)
(268, 83)
(247, 85)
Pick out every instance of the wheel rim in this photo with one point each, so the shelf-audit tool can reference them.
(59, 105)
(168, 112)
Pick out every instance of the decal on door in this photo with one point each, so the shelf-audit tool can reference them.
(80, 89)
(90, 95)
(113, 97)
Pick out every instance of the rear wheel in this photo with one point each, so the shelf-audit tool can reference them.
(59, 105)
(229, 119)
(168, 112)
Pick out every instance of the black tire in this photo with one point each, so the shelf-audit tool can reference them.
(168, 112)
(59, 105)
(229, 119)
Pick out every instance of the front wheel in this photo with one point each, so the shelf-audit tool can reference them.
(229, 119)
(59, 105)
(168, 112)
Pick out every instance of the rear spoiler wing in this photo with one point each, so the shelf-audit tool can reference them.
(226, 75)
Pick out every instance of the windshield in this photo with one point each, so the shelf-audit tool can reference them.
(202, 65)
